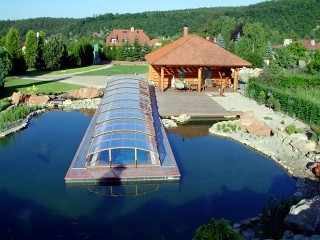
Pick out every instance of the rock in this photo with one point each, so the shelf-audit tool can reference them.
(167, 123)
(181, 119)
(305, 216)
(315, 237)
(18, 98)
(259, 128)
(38, 100)
(300, 237)
(288, 235)
(248, 234)
(84, 93)
(302, 144)
(246, 119)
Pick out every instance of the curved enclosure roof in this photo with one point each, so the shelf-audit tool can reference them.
(124, 133)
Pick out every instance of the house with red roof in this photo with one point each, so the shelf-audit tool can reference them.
(197, 59)
(309, 44)
(120, 37)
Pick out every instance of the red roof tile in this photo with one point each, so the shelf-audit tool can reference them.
(310, 44)
(122, 35)
(193, 50)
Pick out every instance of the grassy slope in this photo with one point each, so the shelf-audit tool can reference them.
(118, 69)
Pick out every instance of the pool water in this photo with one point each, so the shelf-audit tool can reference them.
(220, 178)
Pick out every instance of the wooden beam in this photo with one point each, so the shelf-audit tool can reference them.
(199, 79)
(221, 88)
(235, 79)
(162, 80)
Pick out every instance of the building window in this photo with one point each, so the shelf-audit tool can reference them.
(113, 40)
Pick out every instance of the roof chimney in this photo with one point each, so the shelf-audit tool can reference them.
(132, 29)
(313, 42)
(185, 31)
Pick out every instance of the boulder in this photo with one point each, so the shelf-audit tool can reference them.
(246, 119)
(85, 93)
(181, 119)
(18, 98)
(167, 123)
(305, 216)
(303, 145)
(258, 128)
(38, 100)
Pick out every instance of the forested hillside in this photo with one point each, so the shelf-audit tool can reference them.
(285, 19)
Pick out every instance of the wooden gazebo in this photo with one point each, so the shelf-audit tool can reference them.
(196, 60)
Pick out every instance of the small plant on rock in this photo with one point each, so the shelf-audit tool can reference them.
(292, 128)
(262, 97)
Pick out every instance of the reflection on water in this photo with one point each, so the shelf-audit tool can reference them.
(124, 190)
(220, 178)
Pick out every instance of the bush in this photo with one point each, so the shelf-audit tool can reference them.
(291, 129)
(216, 230)
(4, 104)
(273, 214)
(262, 97)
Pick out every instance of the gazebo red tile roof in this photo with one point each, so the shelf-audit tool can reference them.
(193, 50)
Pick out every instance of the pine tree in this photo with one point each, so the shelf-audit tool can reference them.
(269, 50)
(136, 51)
(40, 63)
(13, 48)
(220, 41)
(3, 68)
(55, 53)
(238, 37)
(31, 50)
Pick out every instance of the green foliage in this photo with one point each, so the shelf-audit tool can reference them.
(118, 69)
(40, 61)
(285, 58)
(304, 104)
(80, 53)
(292, 128)
(267, 118)
(227, 127)
(31, 50)
(314, 65)
(13, 48)
(316, 135)
(216, 230)
(4, 104)
(262, 97)
(55, 53)
(277, 105)
(16, 113)
(220, 41)
(3, 68)
(269, 50)
(299, 51)
(271, 101)
(273, 214)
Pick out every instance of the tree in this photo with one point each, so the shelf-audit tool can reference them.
(136, 51)
(220, 41)
(285, 58)
(256, 34)
(3, 68)
(13, 48)
(31, 50)
(314, 65)
(55, 53)
(269, 50)
(224, 26)
(299, 51)
(40, 63)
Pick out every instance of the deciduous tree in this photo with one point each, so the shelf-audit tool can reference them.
(13, 48)
(31, 50)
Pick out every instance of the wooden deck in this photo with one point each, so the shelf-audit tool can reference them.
(195, 104)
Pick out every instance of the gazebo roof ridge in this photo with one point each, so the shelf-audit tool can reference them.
(193, 50)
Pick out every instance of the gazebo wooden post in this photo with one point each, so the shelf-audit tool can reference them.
(221, 87)
(199, 79)
(162, 79)
(235, 79)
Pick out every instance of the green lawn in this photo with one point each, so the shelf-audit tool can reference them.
(34, 72)
(118, 69)
(33, 86)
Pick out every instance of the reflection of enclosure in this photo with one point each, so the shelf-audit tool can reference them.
(124, 190)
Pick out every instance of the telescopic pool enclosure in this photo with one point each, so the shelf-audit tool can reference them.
(125, 141)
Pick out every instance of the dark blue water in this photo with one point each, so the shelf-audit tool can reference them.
(220, 178)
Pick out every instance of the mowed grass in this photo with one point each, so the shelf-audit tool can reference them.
(33, 72)
(29, 86)
(117, 70)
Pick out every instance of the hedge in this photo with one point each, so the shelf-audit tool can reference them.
(292, 103)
